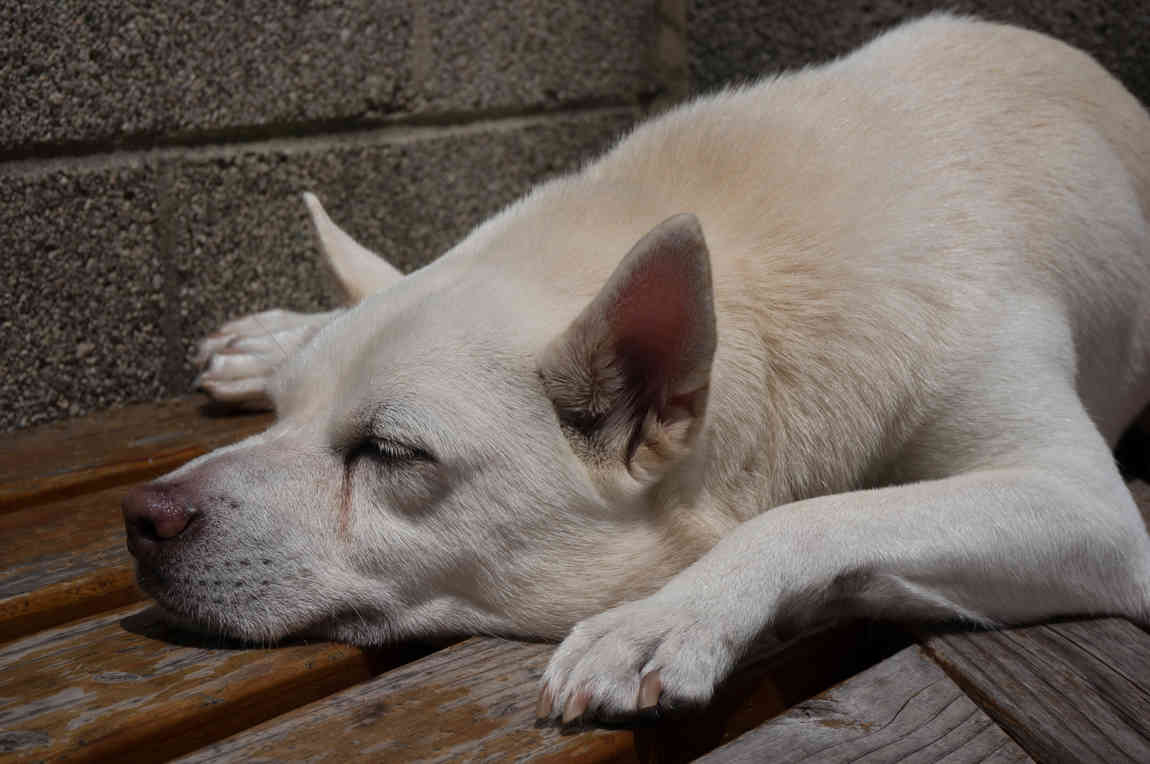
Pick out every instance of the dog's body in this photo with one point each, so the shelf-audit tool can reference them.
(923, 321)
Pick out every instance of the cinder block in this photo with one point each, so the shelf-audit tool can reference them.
(737, 40)
(507, 53)
(82, 317)
(77, 71)
(81, 73)
(113, 271)
(244, 242)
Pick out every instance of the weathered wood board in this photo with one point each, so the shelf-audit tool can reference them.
(62, 549)
(116, 447)
(903, 709)
(122, 686)
(476, 701)
(1067, 692)
(63, 560)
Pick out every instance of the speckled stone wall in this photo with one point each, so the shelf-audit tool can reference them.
(152, 154)
(731, 40)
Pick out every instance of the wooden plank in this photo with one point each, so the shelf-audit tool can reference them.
(476, 701)
(62, 549)
(903, 709)
(49, 606)
(1072, 691)
(63, 560)
(124, 687)
(29, 534)
(112, 448)
(472, 701)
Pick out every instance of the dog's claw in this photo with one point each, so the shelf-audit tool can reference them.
(576, 706)
(237, 361)
(640, 659)
(209, 346)
(650, 688)
(543, 707)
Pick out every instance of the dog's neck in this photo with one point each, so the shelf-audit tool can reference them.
(792, 411)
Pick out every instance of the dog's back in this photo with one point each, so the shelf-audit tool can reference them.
(907, 302)
(879, 227)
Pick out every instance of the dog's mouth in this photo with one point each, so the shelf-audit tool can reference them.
(176, 600)
(212, 601)
(253, 609)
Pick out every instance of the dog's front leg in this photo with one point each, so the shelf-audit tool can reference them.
(998, 546)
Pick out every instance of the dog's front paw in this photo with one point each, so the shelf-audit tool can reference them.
(238, 360)
(633, 661)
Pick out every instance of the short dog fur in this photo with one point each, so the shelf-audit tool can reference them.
(901, 301)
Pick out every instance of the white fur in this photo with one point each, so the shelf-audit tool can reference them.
(931, 285)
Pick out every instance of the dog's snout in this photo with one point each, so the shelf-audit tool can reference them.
(154, 514)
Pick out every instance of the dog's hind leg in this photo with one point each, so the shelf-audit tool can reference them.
(238, 359)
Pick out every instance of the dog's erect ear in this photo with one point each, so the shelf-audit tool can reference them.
(360, 271)
(629, 377)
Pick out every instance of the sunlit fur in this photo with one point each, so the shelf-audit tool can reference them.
(931, 286)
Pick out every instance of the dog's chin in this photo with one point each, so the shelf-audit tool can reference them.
(188, 615)
(235, 626)
(353, 627)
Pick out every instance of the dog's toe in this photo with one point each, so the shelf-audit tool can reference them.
(234, 366)
(631, 662)
(209, 346)
(249, 393)
(238, 360)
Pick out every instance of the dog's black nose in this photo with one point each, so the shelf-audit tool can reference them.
(153, 514)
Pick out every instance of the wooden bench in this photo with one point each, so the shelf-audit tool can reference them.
(89, 672)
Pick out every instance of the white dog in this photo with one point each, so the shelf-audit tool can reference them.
(902, 301)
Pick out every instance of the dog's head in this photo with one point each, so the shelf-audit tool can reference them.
(460, 452)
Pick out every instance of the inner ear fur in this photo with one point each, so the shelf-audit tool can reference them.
(629, 377)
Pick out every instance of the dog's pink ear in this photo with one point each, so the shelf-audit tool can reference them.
(360, 271)
(629, 377)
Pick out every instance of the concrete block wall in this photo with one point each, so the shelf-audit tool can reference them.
(730, 40)
(152, 153)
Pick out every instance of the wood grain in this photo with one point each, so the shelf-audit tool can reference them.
(1067, 692)
(63, 560)
(69, 525)
(112, 448)
(903, 709)
(79, 597)
(476, 701)
(122, 686)
(62, 551)
(472, 701)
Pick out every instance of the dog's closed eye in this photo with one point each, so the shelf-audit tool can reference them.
(395, 474)
(391, 452)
